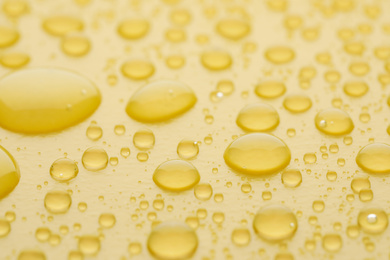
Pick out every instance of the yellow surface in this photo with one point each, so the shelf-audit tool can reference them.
(314, 47)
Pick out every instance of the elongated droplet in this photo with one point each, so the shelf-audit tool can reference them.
(14, 60)
(374, 158)
(160, 101)
(132, 29)
(233, 29)
(9, 36)
(257, 154)
(279, 55)
(9, 173)
(44, 100)
(61, 25)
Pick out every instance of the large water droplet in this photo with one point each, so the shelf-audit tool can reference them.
(334, 121)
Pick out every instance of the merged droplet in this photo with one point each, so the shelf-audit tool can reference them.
(355, 88)
(257, 154)
(57, 202)
(279, 55)
(176, 175)
(334, 121)
(62, 25)
(233, 29)
(9, 173)
(160, 101)
(373, 220)
(9, 36)
(297, 103)
(258, 117)
(270, 89)
(216, 60)
(144, 139)
(172, 240)
(187, 149)
(95, 159)
(14, 60)
(275, 222)
(44, 100)
(64, 169)
(138, 69)
(133, 29)
(374, 158)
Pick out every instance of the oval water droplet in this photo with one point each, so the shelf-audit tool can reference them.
(334, 121)
(9, 173)
(374, 158)
(258, 117)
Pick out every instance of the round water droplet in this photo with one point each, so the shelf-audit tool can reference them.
(44, 100)
(332, 242)
(62, 25)
(31, 255)
(172, 240)
(144, 139)
(355, 88)
(334, 121)
(107, 220)
(233, 29)
(14, 60)
(187, 149)
(374, 158)
(95, 159)
(203, 191)
(9, 173)
(331, 175)
(297, 103)
(135, 248)
(133, 29)
(176, 175)
(57, 202)
(275, 222)
(257, 154)
(94, 132)
(258, 117)
(318, 206)
(226, 87)
(241, 236)
(75, 45)
(270, 89)
(138, 69)
(279, 55)
(291, 178)
(64, 169)
(216, 60)
(43, 234)
(160, 101)
(5, 227)
(89, 245)
(310, 158)
(373, 220)
(9, 36)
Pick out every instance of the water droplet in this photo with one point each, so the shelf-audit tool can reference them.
(176, 175)
(75, 255)
(246, 188)
(144, 139)
(9, 173)
(332, 242)
(31, 255)
(5, 227)
(42, 234)
(310, 158)
(38, 102)
(334, 121)
(293, 22)
(9, 36)
(291, 178)
(125, 152)
(257, 154)
(160, 101)
(15, 8)
(89, 245)
(241, 236)
(279, 55)
(382, 52)
(360, 183)
(62, 25)
(94, 132)
(318, 206)
(64, 169)
(373, 220)
(203, 191)
(331, 175)
(297, 103)
(275, 222)
(270, 89)
(187, 149)
(359, 68)
(135, 248)
(172, 240)
(95, 159)
(373, 158)
(180, 17)
(75, 45)
(142, 156)
(353, 231)
(107, 220)
(57, 202)
(14, 60)
(175, 61)
(366, 195)
(233, 29)
(216, 60)
(355, 48)
(132, 29)
(138, 69)
(258, 117)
